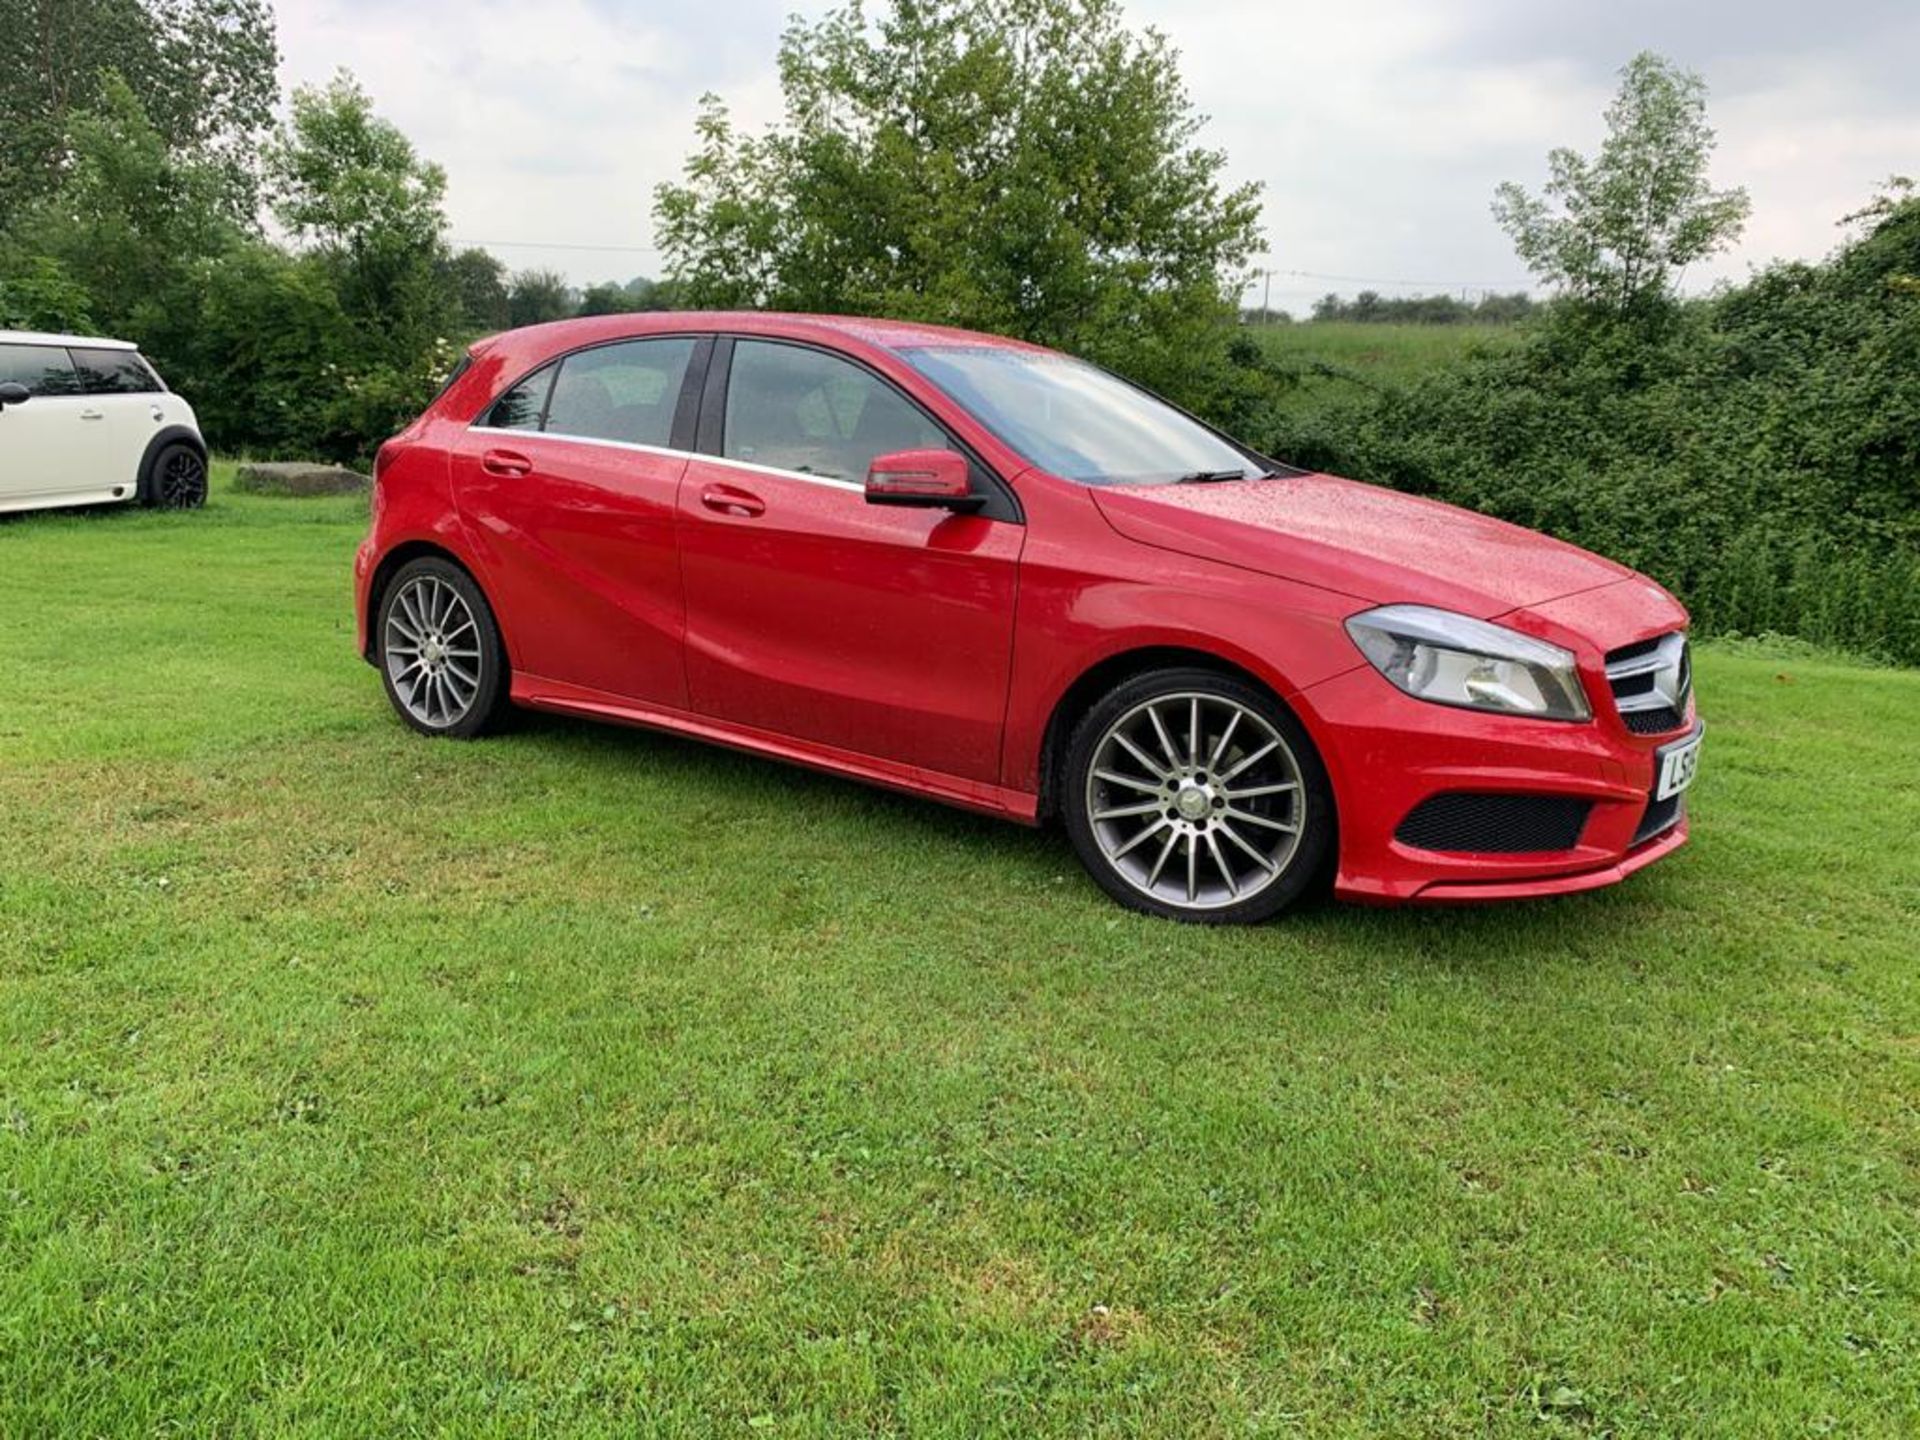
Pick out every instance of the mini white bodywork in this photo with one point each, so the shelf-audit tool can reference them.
(75, 444)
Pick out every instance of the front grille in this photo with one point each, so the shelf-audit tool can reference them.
(1651, 680)
(1467, 823)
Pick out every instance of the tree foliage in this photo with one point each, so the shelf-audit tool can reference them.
(479, 283)
(1028, 168)
(202, 72)
(1760, 454)
(1613, 231)
(349, 181)
(1370, 307)
(537, 296)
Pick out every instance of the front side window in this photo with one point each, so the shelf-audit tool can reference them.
(43, 369)
(1077, 420)
(791, 408)
(625, 392)
(522, 406)
(112, 372)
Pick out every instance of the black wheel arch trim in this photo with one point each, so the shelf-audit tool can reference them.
(170, 435)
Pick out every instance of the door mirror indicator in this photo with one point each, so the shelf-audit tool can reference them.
(12, 393)
(937, 479)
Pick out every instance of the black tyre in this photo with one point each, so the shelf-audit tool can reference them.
(178, 480)
(439, 651)
(1195, 796)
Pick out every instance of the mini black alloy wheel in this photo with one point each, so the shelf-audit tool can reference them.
(179, 479)
(1197, 797)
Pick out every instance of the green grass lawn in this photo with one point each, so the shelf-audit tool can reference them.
(587, 1081)
(1336, 362)
(1383, 352)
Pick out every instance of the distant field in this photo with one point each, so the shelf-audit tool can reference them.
(592, 1082)
(1338, 359)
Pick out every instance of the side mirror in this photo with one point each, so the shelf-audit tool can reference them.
(936, 479)
(12, 394)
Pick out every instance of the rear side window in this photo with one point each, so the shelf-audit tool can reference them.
(112, 372)
(43, 369)
(797, 409)
(625, 392)
(522, 407)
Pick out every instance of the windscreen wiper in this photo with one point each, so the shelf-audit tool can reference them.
(1210, 477)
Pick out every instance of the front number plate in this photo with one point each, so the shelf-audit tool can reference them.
(1678, 766)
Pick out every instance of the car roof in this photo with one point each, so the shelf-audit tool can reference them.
(38, 337)
(882, 334)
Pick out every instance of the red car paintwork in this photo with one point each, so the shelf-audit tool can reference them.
(937, 652)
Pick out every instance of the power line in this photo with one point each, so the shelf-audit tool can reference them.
(556, 245)
(1384, 280)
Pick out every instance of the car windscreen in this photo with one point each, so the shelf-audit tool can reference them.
(1079, 421)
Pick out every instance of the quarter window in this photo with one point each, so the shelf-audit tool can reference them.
(522, 406)
(112, 372)
(43, 369)
(792, 408)
(625, 392)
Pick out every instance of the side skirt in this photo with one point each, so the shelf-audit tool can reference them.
(538, 693)
(67, 499)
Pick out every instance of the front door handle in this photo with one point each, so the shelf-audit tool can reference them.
(732, 500)
(93, 415)
(506, 462)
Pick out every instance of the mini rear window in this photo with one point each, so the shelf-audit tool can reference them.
(112, 372)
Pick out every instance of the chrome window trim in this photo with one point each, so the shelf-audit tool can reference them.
(831, 482)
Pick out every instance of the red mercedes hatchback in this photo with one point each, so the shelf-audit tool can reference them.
(993, 575)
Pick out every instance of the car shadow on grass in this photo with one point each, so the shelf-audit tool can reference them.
(1501, 935)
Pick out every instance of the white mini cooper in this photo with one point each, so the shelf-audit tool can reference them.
(88, 422)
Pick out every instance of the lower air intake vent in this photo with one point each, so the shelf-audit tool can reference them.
(1495, 824)
(1657, 721)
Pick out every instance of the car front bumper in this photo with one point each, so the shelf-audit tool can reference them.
(1388, 754)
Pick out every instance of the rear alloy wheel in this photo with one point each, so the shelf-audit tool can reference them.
(179, 479)
(1194, 796)
(440, 651)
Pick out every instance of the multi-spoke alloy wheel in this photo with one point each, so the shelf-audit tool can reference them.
(439, 650)
(179, 479)
(1199, 800)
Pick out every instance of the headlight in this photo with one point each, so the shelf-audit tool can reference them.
(1456, 660)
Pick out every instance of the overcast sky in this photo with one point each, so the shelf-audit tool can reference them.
(1377, 127)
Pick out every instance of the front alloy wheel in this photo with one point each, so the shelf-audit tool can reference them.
(1196, 797)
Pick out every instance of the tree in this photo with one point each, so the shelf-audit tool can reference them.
(537, 296)
(1614, 231)
(351, 185)
(129, 216)
(480, 283)
(1028, 168)
(344, 178)
(203, 72)
(608, 298)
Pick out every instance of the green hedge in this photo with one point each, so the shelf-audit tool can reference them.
(1758, 453)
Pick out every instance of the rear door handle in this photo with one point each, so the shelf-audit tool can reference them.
(93, 415)
(731, 500)
(506, 462)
